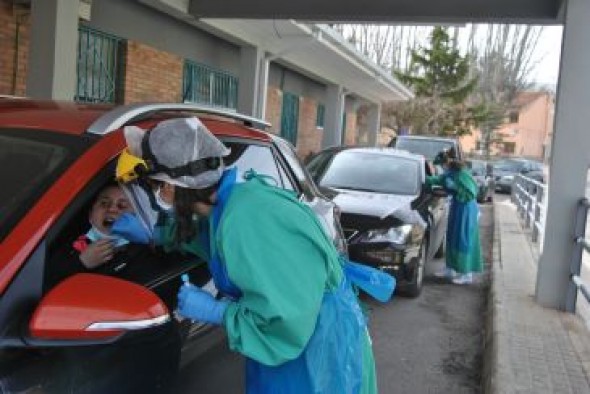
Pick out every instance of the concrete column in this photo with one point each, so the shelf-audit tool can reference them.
(569, 157)
(248, 96)
(374, 123)
(262, 87)
(53, 49)
(333, 116)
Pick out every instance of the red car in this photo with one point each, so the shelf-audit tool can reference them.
(114, 331)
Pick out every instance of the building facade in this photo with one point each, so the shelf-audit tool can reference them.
(127, 51)
(526, 132)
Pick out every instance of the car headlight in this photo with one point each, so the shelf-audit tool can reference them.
(397, 235)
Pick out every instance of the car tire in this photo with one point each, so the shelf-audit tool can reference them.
(440, 252)
(414, 287)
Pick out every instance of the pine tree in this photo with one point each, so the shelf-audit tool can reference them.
(439, 76)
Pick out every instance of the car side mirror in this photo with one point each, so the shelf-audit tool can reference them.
(89, 308)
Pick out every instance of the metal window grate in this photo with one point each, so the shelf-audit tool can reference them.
(205, 85)
(100, 58)
(290, 117)
(321, 114)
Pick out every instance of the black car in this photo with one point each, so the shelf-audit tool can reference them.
(388, 218)
(506, 169)
(483, 174)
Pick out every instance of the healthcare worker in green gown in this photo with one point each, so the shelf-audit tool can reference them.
(287, 305)
(463, 251)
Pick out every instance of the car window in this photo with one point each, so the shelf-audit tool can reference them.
(317, 165)
(30, 161)
(508, 165)
(478, 168)
(371, 172)
(259, 158)
(299, 171)
(141, 264)
(425, 147)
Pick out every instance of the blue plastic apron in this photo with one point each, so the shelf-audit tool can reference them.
(332, 360)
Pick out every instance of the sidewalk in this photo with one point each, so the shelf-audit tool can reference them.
(529, 349)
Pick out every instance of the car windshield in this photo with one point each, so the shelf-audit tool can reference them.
(30, 161)
(372, 172)
(425, 147)
(508, 165)
(478, 168)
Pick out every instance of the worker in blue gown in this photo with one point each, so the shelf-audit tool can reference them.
(288, 306)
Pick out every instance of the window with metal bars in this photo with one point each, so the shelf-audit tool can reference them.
(321, 114)
(100, 66)
(205, 85)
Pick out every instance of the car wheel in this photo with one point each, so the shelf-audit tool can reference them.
(440, 252)
(414, 287)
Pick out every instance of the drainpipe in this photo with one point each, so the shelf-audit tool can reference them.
(265, 66)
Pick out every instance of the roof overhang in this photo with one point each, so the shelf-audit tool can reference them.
(317, 51)
(389, 11)
(314, 50)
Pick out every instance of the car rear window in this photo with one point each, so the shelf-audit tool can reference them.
(30, 161)
(372, 173)
(478, 168)
(427, 148)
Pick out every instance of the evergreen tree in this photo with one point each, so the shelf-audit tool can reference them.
(439, 76)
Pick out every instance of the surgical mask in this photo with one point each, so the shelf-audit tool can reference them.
(164, 206)
(95, 234)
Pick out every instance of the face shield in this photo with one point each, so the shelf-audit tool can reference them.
(180, 151)
(141, 191)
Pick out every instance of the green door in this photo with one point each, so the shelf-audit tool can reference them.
(289, 117)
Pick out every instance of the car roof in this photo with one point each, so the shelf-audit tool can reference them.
(428, 137)
(77, 118)
(383, 151)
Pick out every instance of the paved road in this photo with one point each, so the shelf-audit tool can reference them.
(432, 344)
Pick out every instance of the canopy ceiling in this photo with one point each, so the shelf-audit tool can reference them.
(411, 11)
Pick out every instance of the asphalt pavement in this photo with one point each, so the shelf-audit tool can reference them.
(430, 344)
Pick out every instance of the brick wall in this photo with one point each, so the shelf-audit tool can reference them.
(274, 102)
(351, 134)
(309, 137)
(152, 75)
(11, 51)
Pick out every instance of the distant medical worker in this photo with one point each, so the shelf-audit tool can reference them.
(463, 250)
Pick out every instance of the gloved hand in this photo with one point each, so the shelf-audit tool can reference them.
(199, 305)
(129, 227)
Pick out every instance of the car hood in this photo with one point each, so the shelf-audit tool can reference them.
(378, 205)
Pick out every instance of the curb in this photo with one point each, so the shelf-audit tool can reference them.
(490, 362)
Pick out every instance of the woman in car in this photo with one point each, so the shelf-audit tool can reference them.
(288, 306)
(463, 251)
(113, 230)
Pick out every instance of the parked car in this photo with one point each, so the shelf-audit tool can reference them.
(483, 174)
(427, 146)
(389, 220)
(96, 333)
(506, 169)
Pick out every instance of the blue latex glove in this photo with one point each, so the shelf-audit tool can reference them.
(199, 305)
(129, 227)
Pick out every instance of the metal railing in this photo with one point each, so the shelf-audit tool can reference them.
(581, 245)
(530, 197)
